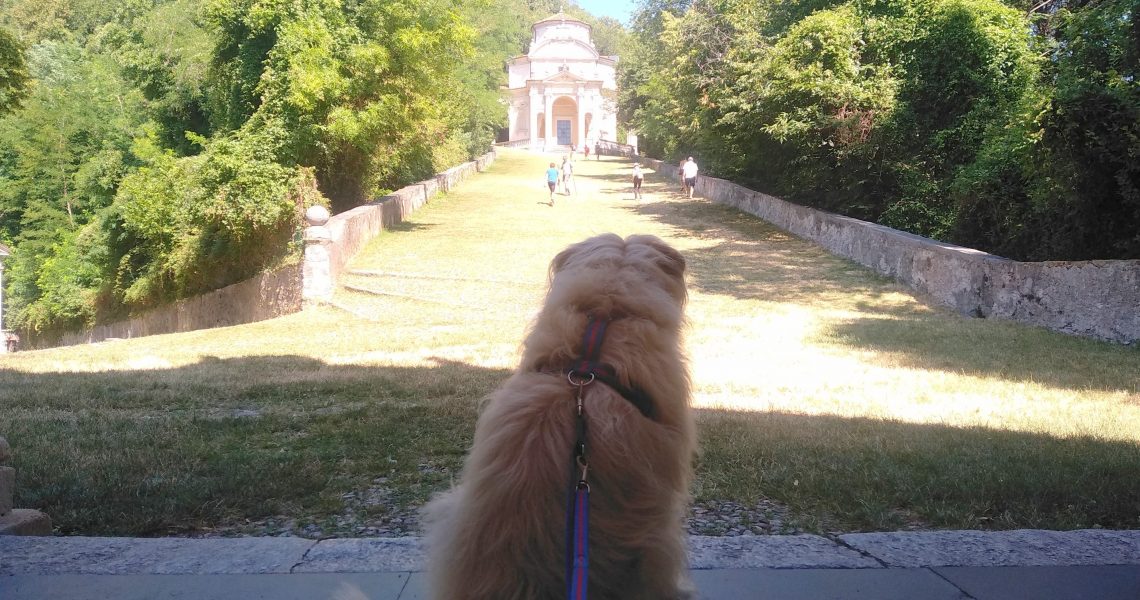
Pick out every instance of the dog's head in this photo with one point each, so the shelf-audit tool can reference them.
(608, 277)
(637, 283)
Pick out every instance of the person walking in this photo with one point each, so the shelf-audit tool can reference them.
(552, 181)
(598, 150)
(637, 179)
(567, 174)
(689, 171)
(681, 174)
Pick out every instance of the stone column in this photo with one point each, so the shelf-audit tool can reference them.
(580, 100)
(532, 108)
(549, 124)
(317, 275)
(16, 521)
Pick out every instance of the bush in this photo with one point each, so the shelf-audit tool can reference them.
(188, 225)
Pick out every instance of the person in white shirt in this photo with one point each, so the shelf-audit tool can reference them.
(689, 172)
(567, 174)
(637, 179)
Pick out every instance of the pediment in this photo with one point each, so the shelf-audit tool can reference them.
(564, 77)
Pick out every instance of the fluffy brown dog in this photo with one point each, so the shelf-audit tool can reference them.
(500, 533)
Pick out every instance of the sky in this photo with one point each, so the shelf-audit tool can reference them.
(618, 9)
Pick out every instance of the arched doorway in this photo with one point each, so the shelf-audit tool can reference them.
(564, 121)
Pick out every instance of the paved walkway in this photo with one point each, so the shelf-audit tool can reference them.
(946, 565)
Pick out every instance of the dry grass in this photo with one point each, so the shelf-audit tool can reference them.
(820, 385)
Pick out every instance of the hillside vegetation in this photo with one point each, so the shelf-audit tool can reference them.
(1011, 126)
(151, 150)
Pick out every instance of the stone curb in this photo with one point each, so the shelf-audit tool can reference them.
(1019, 548)
(143, 556)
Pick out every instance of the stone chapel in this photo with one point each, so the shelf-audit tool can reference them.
(562, 93)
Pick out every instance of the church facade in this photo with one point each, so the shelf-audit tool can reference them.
(562, 93)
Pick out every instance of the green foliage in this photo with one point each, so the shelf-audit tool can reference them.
(366, 93)
(938, 117)
(169, 147)
(819, 93)
(1062, 179)
(70, 278)
(181, 226)
(13, 72)
(165, 54)
(968, 70)
(61, 157)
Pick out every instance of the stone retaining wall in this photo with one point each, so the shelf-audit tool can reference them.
(330, 245)
(1098, 299)
(265, 296)
(283, 291)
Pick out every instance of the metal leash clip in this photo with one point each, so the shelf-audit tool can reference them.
(580, 384)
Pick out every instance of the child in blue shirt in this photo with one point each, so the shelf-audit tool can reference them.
(552, 181)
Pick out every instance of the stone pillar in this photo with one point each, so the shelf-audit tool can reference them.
(549, 121)
(16, 521)
(581, 119)
(532, 133)
(317, 275)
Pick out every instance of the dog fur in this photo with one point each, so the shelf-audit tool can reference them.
(500, 533)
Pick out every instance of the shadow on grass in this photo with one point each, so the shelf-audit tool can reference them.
(871, 474)
(220, 442)
(989, 348)
(748, 258)
(404, 226)
(224, 442)
(615, 178)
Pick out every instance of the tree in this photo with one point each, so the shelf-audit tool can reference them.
(1008, 126)
(61, 158)
(366, 92)
(13, 73)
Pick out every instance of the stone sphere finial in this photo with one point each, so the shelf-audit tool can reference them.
(317, 215)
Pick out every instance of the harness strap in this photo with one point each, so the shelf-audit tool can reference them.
(590, 365)
(592, 349)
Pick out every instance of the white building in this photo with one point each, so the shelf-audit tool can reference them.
(562, 93)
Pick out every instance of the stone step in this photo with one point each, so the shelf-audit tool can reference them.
(25, 521)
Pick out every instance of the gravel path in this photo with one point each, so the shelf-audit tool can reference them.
(361, 519)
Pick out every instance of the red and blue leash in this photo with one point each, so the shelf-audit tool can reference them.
(578, 512)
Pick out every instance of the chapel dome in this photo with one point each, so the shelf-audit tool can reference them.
(561, 18)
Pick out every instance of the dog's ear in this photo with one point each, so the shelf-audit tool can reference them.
(606, 242)
(560, 260)
(670, 261)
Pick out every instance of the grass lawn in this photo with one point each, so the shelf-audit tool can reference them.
(820, 387)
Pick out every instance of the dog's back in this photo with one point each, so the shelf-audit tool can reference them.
(500, 534)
